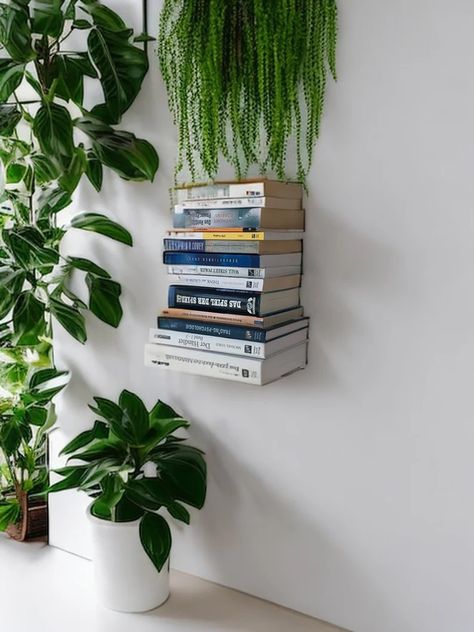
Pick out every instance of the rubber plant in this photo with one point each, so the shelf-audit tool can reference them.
(246, 80)
(111, 463)
(49, 141)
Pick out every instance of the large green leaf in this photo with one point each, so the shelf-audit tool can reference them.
(9, 513)
(71, 69)
(11, 74)
(53, 200)
(98, 223)
(135, 417)
(71, 177)
(11, 284)
(99, 431)
(94, 172)
(15, 32)
(53, 128)
(104, 17)
(70, 318)
(183, 471)
(112, 492)
(88, 266)
(29, 249)
(46, 168)
(71, 481)
(107, 409)
(45, 384)
(122, 67)
(155, 536)
(104, 299)
(10, 115)
(102, 449)
(151, 494)
(139, 161)
(47, 17)
(29, 321)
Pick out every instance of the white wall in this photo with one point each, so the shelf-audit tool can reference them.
(344, 491)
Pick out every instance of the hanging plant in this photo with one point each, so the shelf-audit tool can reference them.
(244, 78)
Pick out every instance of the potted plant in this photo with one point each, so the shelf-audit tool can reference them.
(26, 416)
(133, 467)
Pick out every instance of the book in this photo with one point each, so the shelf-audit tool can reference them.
(236, 283)
(225, 366)
(231, 271)
(218, 344)
(232, 301)
(263, 218)
(241, 202)
(236, 319)
(231, 260)
(236, 234)
(247, 188)
(238, 332)
(233, 247)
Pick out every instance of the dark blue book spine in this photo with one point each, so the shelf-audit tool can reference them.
(211, 329)
(214, 300)
(190, 245)
(211, 259)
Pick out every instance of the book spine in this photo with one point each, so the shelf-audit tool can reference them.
(212, 329)
(207, 343)
(190, 245)
(225, 283)
(236, 235)
(211, 259)
(211, 317)
(216, 365)
(257, 273)
(213, 191)
(224, 203)
(217, 218)
(223, 301)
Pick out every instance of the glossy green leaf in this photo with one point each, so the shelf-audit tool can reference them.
(71, 177)
(81, 24)
(138, 161)
(162, 411)
(53, 200)
(15, 172)
(9, 513)
(107, 409)
(47, 17)
(122, 67)
(53, 128)
(11, 75)
(15, 33)
(28, 247)
(99, 431)
(104, 17)
(155, 537)
(112, 492)
(104, 299)
(94, 173)
(29, 321)
(10, 436)
(71, 481)
(184, 474)
(88, 266)
(151, 494)
(10, 116)
(36, 415)
(70, 318)
(46, 168)
(98, 223)
(102, 449)
(135, 417)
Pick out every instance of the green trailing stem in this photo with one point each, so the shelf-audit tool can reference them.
(246, 80)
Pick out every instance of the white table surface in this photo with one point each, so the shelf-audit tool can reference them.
(47, 590)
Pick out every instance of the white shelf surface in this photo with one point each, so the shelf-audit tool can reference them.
(45, 589)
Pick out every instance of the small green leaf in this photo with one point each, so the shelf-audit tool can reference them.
(9, 513)
(53, 128)
(72, 481)
(46, 168)
(94, 173)
(81, 24)
(98, 223)
(29, 321)
(71, 177)
(135, 417)
(11, 75)
(88, 266)
(10, 116)
(15, 172)
(70, 318)
(104, 299)
(99, 431)
(155, 536)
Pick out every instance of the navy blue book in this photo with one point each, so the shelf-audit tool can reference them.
(234, 260)
(232, 301)
(237, 332)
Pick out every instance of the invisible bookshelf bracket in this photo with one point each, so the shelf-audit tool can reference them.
(234, 259)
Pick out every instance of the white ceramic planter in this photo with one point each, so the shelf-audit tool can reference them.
(126, 578)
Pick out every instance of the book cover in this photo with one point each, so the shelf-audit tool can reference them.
(233, 247)
(231, 260)
(247, 188)
(223, 330)
(240, 202)
(232, 301)
(231, 346)
(238, 218)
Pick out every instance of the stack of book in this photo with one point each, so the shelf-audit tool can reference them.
(234, 260)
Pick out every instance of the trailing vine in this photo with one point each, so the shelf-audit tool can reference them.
(244, 78)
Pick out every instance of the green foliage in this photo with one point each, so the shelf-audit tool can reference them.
(108, 463)
(250, 71)
(47, 145)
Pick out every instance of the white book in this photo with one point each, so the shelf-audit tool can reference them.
(225, 366)
(248, 188)
(236, 283)
(287, 204)
(229, 271)
(227, 345)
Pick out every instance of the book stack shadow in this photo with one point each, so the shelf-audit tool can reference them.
(234, 259)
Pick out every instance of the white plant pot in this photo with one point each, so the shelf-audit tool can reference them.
(126, 578)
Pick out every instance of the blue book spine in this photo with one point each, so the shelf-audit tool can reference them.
(190, 245)
(214, 300)
(211, 329)
(211, 259)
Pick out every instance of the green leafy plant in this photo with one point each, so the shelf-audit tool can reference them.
(109, 464)
(50, 141)
(243, 77)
